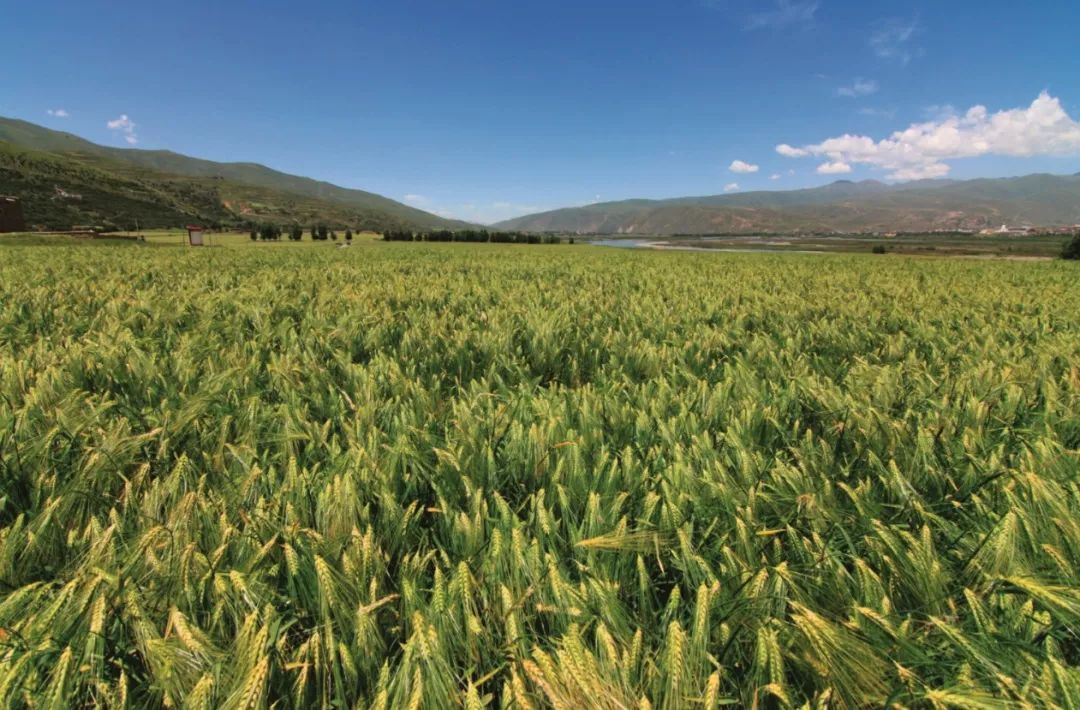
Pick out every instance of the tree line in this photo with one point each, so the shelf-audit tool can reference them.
(322, 232)
(472, 235)
(295, 233)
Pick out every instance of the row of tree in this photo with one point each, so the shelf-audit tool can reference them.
(273, 233)
(321, 232)
(472, 235)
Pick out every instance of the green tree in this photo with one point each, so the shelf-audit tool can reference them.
(1071, 250)
(270, 232)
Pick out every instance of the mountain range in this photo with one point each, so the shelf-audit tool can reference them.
(64, 180)
(843, 206)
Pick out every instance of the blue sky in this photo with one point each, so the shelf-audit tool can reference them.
(487, 109)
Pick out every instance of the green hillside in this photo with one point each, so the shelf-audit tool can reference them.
(66, 180)
(842, 206)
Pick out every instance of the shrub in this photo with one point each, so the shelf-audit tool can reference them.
(879, 249)
(1071, 250)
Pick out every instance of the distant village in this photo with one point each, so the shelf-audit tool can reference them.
(1002, 231)
(1007, 231)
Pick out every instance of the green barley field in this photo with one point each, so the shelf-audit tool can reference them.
(444, 475)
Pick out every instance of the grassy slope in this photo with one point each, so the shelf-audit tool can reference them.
(106, 196)
(250, 190)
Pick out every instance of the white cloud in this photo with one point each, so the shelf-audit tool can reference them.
(58, 113)
(921, 150)
(791, 152)
(739, 166)
(493, 212)
(785, 13)
(860, 87)
(921, 172)
(892, 37)
(731, 187)
(775, 176)
(126, 127)
(835, 168)
(483, 213)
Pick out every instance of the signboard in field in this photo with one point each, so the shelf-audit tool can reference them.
(195, 236)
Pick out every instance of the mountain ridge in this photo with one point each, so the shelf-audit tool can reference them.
(247, 191)
(1039, 199)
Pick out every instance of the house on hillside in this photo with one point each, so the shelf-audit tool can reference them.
(11, 215)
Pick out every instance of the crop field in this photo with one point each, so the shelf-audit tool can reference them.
(441, 475)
